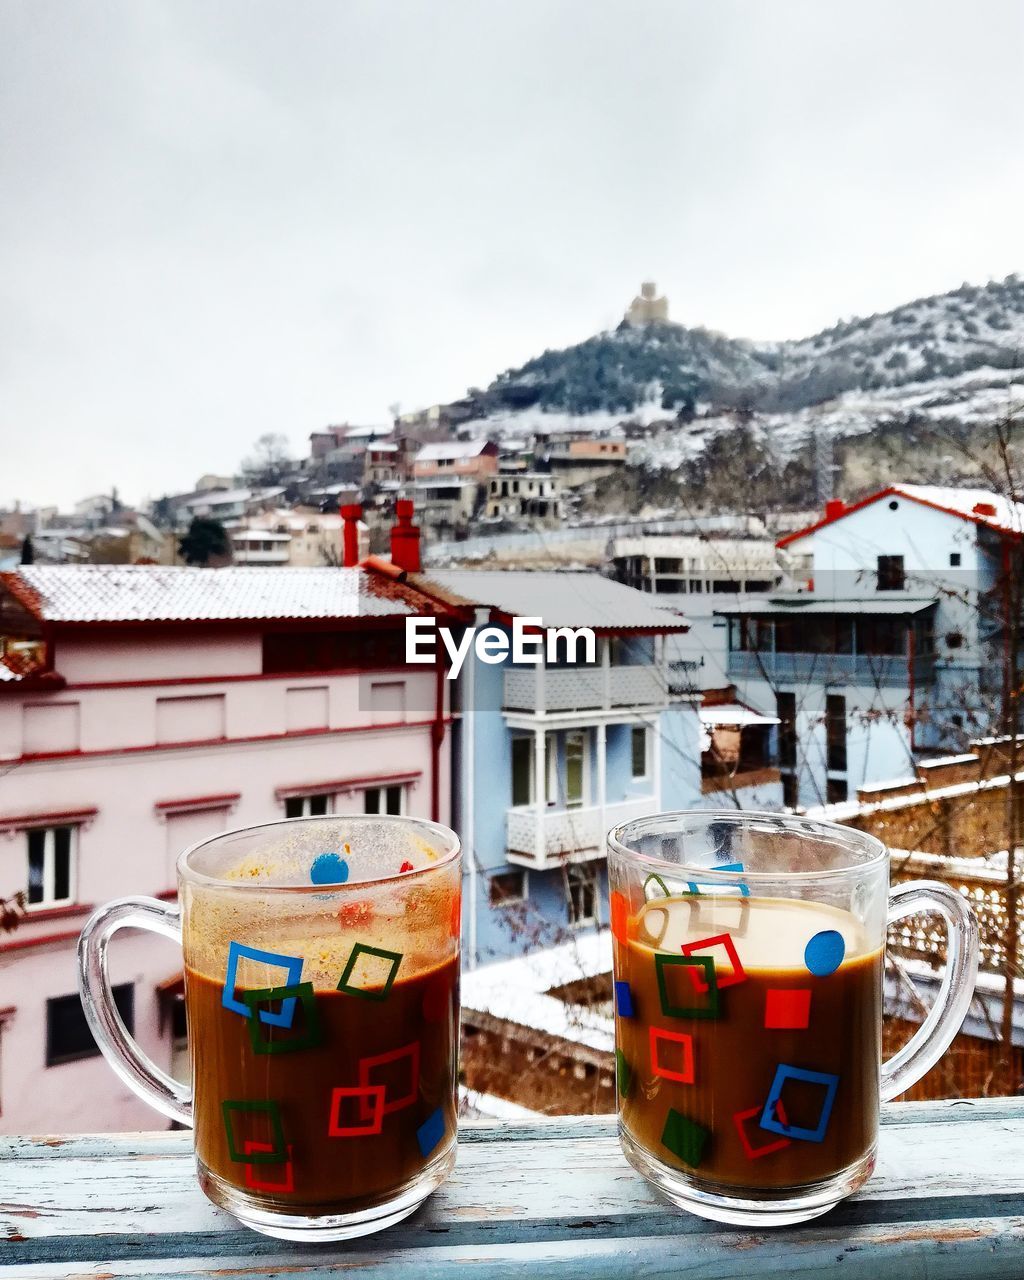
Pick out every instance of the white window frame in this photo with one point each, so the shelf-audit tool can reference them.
(48, 900)
(382, 788)
(646, 731)
(588, 870)
(305, 799)
(510, 902)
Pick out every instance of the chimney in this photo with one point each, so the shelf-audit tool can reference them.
(351, 513)
(834, 508)
(984, 509)
(405, 538)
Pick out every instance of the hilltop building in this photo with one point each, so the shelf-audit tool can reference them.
(647, 306)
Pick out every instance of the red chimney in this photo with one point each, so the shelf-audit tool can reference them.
(405, 538)
(834, 508)
(351, 513)
(984, 509)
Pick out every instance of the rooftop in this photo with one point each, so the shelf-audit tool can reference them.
(453, 450)
(559, 599)
(806, 603)
(979, 506)
(151, 593)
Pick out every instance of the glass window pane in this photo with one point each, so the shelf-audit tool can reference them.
(371, 800)
(522, 770)
(62, 864)
(394, 800)
(293, 807)
(36, 859)
(317, 806)
(639, 751)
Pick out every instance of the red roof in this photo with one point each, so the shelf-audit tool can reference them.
(979, 506)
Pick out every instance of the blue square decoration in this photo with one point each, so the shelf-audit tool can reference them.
(829, 1082)
(293, 966)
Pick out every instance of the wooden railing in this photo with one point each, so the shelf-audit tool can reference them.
(984, 886)
(532, 1200)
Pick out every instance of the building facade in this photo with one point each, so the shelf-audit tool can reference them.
(896, 645)
(550, 756)
(143, 709)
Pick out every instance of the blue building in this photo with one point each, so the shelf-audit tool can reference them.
(548, 755)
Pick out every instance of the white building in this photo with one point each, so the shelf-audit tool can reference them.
(534, 497)
(896, 644)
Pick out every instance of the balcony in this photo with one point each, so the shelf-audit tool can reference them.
(551, 1196)
(543, 691)
(873, 670)
(545, 838)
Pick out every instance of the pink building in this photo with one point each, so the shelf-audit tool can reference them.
(143, 708)
(467, 459)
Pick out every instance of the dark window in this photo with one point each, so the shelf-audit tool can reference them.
(785, 709)
(639, 751)
(954, 559)
(890, 573)
(383, 800)
(662, 565)
(49, 865)
(726, 586)
(758, 584)
(507, 888)
(790, 790)
(835, 733)
(836, 790)
(522, 770)
(582, 894)
(305, 806)
(332, 650)
(881, 636)
(68, 1037)
(696, 586)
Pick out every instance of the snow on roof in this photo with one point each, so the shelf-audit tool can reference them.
(493, 1107)
(155, 593)
(559, 599)
(225, 497)
(980, 506)
(452, 449)
(259, 535)
(800, 603)
(517, 990)
(733, 713)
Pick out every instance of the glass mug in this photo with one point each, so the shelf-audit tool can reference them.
(748, 967)
(322, 999)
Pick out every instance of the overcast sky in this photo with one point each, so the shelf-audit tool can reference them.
(225, 217)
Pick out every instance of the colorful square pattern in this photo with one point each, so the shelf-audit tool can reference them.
(685, 1072)
(823, 1079)
(685, 1138)
(787, 1010)
(623, 999)
(311, 1033)
(623, 1073)
(739, 974)
(430, 1132)
(411, 1052)
(663, 963)
(373, 1123)
(255, 1183)
(268, 1153)
(292, 964)
(694, 887)
(755, 1153)
(392, 958)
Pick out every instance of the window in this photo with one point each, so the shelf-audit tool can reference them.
(68, 1037)
(50, 866)
(696, 586)
(835, 733)
(836, 790)
(307, 806)
(954, 559)
(575, 768)
(581, 888)
(639, 750)
(507, 888)
(726, 586)
(785, 709)
(891, 576)
(790, 791)
(522, 770)
(384, 799)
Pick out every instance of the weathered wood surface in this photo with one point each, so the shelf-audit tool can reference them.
(553, 1197)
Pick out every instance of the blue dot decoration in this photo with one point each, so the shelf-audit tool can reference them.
(328, 868)
(824, 953)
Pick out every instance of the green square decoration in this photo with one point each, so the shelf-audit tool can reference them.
(663, 961)
(685, 1138)
(367, 993)
(623, 1073)
(277, 1153)
(311, 1035)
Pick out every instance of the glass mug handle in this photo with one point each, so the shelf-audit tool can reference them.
(933, 1037)
(118, 1046)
